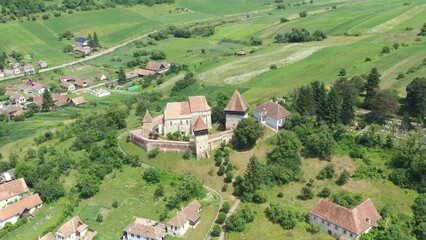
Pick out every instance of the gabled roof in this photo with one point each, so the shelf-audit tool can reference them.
(272, 109)
(19, 207)
(189, 213)
(81, 39)
(66, 78)
(66, 84)
(38, 100)
(237, 103)
(37, 85)
(198, 124)
(198, 104)
(153, 232)
(80, 82)
(78, 100)
(176, 110)
(100, 75)
(13, 188)
(147, 118)
(71, 226)
(156, 66)
(59, 99)
(48, 236)
(356, 220)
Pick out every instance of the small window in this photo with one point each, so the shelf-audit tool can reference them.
(315, 218)
(336, 227)
(344, 231)
(322, 221)
(328, 224)
(351, 235)
(132, 235)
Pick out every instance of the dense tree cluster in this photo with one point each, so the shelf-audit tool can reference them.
(187, 81)
(286, 216)
(300, 35)
(237, 221)
(247, 133)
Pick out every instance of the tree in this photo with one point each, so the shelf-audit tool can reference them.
(95, 40)
(372, 86)
(332, 107)
(305, 194)
(321, 144)
(236, 223)
(216, 231)
(122, 79)
(320, 98)
(246, 134)
(327, 172)
(254, 175)
(305, 103)
(221, 217)
(152, 175)
(90, 41)
(419, 210)
(324, 193)
(218, 115)
(347, 114)
(343, 177)
(87, 185)
(423, 30)
(158, 55)
(255, 41)
(285, 216)
(47, 103)
(384, 104)
(49, 190)
(189, 188)
(303, 14)
(226, 206)
(415, 102)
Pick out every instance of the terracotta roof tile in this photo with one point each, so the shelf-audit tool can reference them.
(198, 124)
(19, 207)
(156, 66)
(146, 231)
(48, 236)
(237, 103)
(198, 104)
(13, 188)
(38, 100)
(78, 100)
(272, 109)
(356, 220)
(147, 118)
(59, 99)
(71, 226)
(189, 213)
(176, 110)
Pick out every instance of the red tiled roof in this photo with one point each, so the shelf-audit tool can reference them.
(144, 72)
(177, 110)
(66, 78)
(198, 124)
(356, 220)
(198, 104)
(66, 84)
(147, 118)
(80, 82)
(153, 232)
(48, 236)
(237, 103)
(272, 109)
(20, 206)
(189, 213)
(38, 100)
(156, 66)
(78, 100)
(71, 226)
(13, 188)
(59, 99)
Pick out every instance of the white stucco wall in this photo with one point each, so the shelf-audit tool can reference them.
(138, 237)
(179, 232)
(232, 120)
(177, 125)
(336, 231)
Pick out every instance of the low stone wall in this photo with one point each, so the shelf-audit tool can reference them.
(215, 140)
(164, 145)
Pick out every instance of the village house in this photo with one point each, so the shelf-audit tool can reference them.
(75, 229)
(144, 229)
(14, 111)
(83, 50)
(341, 222)
(158, 67)
(100, 77)
(236, 110)
(180, 116)
(16, 71)
(12, 191)
(38, 100)
(99, 93)
(42, 64)
(111, 84)
(59, 100)
(15, 97)
(22, 208)
(29, 69)
(66, 78)
(81, 42)
(37, 88)
(14, 65)
(138, 72)
(188, 217)
(78, 101)
(8, 72)
(7, 176)
(271, 114)
(80, 84)
(68, 86)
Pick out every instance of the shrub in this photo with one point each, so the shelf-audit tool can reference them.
(327, 172)
(159, 192)
(99, 218)
(114, 204)
(152, 175)
(305, 194)
(280, 195)
(356, 152)
(385, 49)
(401, 75)
(248, 213)
(236, 223)
(396, 45)
(255, 41)
(283, 20)
(217, 230)
(367, 59)
(187, 154)
(343, 177)
(259, 196)
(226, 206)
(334, 7)
(313, 229)
(229, 176)
(273, 66)
(221, 217)
(303, 14)
(153, 153)
(286, 216)
(225, 187)
(324, 193)
(45, 16)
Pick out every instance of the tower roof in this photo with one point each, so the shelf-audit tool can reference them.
(199, 124)
(237, 103)
(147, 118)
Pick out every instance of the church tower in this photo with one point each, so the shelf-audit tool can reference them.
(236, 110)
(201, 135)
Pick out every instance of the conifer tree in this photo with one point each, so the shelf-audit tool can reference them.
(90, 40)
(122, 79)
(347, 114)
(47, 103)
(333, 106)
(96, 44)
(253, 177)
(372, 86)
(320, 98)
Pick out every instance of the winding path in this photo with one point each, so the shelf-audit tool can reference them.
(211, 190)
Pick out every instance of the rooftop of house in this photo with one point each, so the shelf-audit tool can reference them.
(154, 232)
(156, 66)
(38, 100)
(13, 188)
(80, 82)
(237, 103)
(272, 109)
(72, 226)
(99, 75)
(66, 78)
(356, 220)
(20, 206)
(48, 236)
(59, 99)
(189, 213)
(176, 110)
(198, 124)
(66, 84)
(14, 95)
(198, 104)
(78, 100)
(81, 39)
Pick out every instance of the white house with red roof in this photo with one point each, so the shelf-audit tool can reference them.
(271, 114)
(66, 78)
(189, 217)
(13, 191)
(22, 208)
(342, 222)
(144, 229)
(158, 67)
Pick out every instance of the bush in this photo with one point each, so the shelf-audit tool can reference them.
(153, 153)
(385, 49)
(158, 55)
(303, 14)
(236, 223)
(305, 194)
(367, 59)
(152, 175)
(401, 75)
(225, 187)
(324, 193)
(313, 228)
(221, 217)
(187, 154)
(280, 195)
(114, 204)
(396, 45)
(273, 66)
(343, 177)
(248, 213)
(259, 197)
(346, 199)
(286, 216)
(226, 206)
(283, 20)
(99, 218)
(217, 230)
(254, 41)
(327, 172)
(356, 152)
(45, 16)
(229, 177)
(159, 192)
